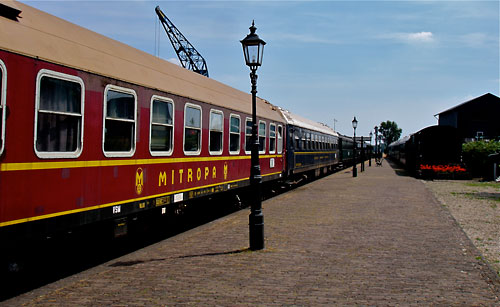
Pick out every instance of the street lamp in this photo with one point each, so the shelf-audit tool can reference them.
(354, 169)
(370, 151)
(380, 148)
(253, 49)
(376, 146)
(362, 154)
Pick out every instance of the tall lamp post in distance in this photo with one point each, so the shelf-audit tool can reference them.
(371, 151)
(381, 152)
(376, 147)
(354, 169)
(253, 49)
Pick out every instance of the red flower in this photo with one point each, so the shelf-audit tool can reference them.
(443, 168)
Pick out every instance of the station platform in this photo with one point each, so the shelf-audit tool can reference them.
(378, 239)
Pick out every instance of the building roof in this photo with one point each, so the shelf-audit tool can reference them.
(487, 95)
(43, 36)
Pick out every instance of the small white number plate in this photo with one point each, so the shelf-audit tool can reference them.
(178, 197)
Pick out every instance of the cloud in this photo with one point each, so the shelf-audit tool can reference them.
(412, 38)
(301, 38)
(477, 40)
(420, 37)
(175, 61)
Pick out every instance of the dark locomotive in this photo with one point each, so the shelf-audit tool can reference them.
(432, 150)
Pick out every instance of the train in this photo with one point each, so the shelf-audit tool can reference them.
(434, 150)
(97, 132)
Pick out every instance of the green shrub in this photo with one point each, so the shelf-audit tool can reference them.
(475, 156)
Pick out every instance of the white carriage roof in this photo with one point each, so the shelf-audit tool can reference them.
(297, 120)
(40, 35)
(400, 141)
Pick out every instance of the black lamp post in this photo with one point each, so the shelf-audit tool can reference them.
(253, 49)
(376, 146)
(380, 148)
(362, 155)
(370, 151)
(354, 169)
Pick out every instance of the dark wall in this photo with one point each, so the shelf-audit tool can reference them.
(481, 114)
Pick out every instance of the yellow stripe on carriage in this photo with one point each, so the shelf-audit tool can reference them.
(28, 166)
(46, 216)
(314, 152)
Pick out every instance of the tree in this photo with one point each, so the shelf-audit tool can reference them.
(390, 131)
(475, 156)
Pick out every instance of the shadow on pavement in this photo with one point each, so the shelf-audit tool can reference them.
(398, 168)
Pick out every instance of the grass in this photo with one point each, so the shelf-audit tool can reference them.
(483, 184)
(477, 195)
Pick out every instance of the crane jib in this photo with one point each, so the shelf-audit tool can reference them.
(189, 57)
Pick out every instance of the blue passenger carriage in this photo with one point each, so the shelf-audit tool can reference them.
(311, 146)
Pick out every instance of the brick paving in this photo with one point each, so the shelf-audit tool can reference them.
(378, 239)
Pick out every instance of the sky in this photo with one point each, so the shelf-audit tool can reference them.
(329, 61)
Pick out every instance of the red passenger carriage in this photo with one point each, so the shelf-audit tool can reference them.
(93, 130)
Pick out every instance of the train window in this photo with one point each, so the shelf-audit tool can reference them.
(59, 115)
(234, 134)
(303, 141)
(120, 108)
(3, 92)
(216, 131)
(280, 139)
(295, 139)
(248, 136)
(162, 126)
(309, 141)
(272, 138)
(262, 137)
(192, 129)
